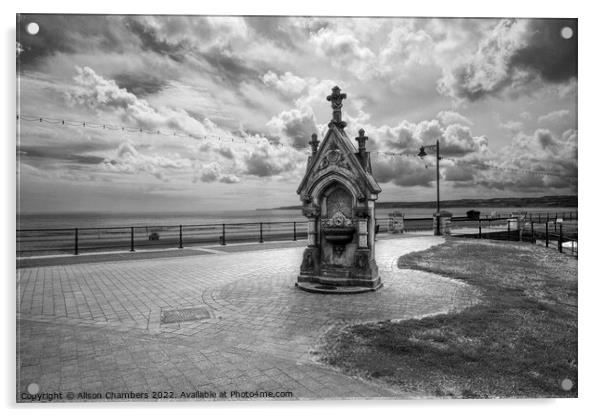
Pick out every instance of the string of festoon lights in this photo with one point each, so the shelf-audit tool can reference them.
(225, 140)
(160, 132)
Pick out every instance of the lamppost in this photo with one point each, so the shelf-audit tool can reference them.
(422, 154)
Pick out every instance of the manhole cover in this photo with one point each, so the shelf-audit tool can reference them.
(326, 287)
(184, 314)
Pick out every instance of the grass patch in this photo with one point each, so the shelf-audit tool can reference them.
(520, 342)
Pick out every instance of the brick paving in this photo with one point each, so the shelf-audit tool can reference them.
(96, 327)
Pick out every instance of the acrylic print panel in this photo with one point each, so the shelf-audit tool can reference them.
(170, 238)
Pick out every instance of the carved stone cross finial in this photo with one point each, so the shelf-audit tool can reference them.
(361, 140)
(336, 101)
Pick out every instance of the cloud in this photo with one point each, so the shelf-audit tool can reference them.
(100, 94)
(286, 83)
(57, 154)
(150, 40)
(487, 71)
(344, 50)
(514, 57)
(296, 125)
(529, 155)
(213, 172)
(448, 117)
(68, 34)
(129, 161)
(404, 171)
(458, 140)
(513, 126)
(229, 68)
(456, 173)
(558, 121)
(455, 139)
(140, 85)
(553, 116)
(267, 77)
(547, 52)
(265, 160)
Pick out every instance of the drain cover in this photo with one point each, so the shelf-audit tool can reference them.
(326, 287)
(184, 314)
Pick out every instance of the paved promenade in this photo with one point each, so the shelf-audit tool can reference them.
(109, 326)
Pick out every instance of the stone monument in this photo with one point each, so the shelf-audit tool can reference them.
(338, 194)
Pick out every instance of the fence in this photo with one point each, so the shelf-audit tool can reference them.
(77, 240)
(548, 230)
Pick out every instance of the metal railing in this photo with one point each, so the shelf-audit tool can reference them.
(559, 230)
(96, 239)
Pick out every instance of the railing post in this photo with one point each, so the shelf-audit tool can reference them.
(294, 231)
(508, 231)
(479, 228)
(547, 236)
(560, 239)
(260, 232)
(223, 234)
(131, 239)
(181, 243)
(532, 234)
(76, 241)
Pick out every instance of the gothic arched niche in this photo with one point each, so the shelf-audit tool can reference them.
(338, 198)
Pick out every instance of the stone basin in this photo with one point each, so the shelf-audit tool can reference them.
(340, 235)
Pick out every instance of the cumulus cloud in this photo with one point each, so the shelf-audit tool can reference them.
(448, 117)
(286, 83)
(458, 140)
(265, 160)
(488, 70)
(455, 173)
(455, 139)
(557, 121)
(100, 94)
(264, 77)
(129, 161)
(536, 154)
(404, 171)
(344, 50)
(514, 57)
(295, 125)
(213, 172)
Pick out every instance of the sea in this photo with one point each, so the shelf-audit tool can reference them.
(111, 219)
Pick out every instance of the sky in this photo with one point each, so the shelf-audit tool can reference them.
(236, 99)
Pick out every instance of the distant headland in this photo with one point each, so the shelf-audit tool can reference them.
(545, 201)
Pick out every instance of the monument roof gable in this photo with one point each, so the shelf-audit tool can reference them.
(336, 139)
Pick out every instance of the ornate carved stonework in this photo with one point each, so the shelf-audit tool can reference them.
(338, 193)
(336, 101)
(309, 265)
(311, 210)
(338, 220)
(334, 157)
(362, 260)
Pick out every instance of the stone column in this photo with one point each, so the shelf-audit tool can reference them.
(311, 231)
(362, 232)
